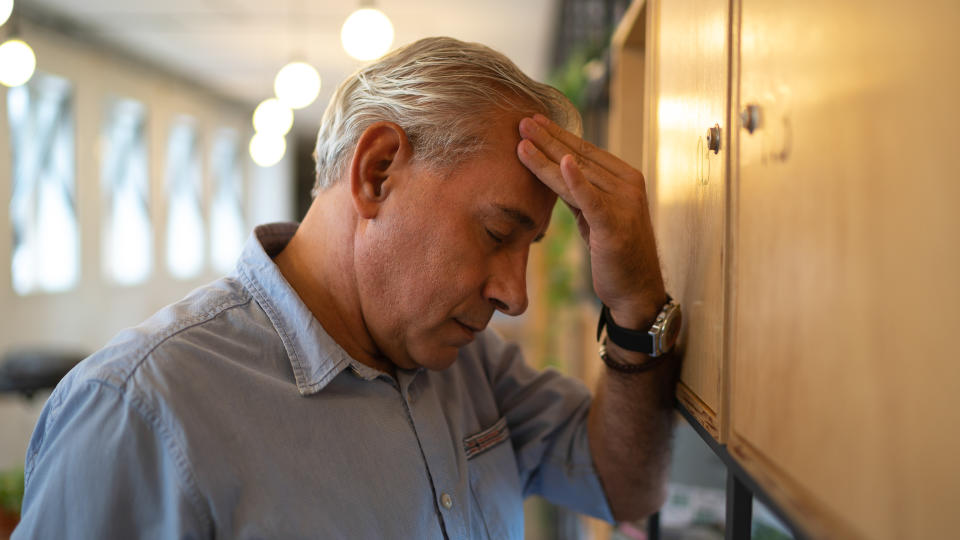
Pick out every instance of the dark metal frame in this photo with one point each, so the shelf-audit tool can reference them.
(741, 490)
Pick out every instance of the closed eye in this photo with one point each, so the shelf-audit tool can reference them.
(496, 238)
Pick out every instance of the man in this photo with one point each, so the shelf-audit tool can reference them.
(341, 382)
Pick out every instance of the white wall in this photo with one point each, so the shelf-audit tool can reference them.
(87, 316)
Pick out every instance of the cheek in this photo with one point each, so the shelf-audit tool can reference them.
(415, 274)
(438, 275)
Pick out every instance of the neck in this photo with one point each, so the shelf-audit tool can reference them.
(318, 263)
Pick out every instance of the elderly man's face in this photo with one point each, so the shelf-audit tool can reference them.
(446, 250)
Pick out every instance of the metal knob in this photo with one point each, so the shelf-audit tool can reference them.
(750, 118)
(713, 139)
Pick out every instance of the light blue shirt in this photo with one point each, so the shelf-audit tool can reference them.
(232, 414)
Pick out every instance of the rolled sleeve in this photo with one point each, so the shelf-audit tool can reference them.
(98, 468)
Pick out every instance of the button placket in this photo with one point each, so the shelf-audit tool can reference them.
(427, 416)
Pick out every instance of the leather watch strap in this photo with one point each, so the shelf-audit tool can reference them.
(631, 340)
(629, 368)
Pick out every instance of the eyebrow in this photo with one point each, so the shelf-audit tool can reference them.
(520, 218)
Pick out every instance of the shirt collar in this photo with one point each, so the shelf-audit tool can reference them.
(315, 357)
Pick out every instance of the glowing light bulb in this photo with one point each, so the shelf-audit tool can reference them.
(297, 85)
(272, 117)
(267, 149)
(6, 8)
(17, 62)
(367, 34)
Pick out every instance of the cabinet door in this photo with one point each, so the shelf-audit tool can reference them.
(690, 187)
(844, 368)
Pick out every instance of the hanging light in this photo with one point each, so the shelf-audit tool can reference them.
(17, 62)
(267, 149)
(367, 34)
(272, 117)
(297, 85)
(6, 8)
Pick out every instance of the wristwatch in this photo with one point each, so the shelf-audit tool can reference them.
(657, 340)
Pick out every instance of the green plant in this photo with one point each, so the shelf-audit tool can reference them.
(572, 77)
(11, 490)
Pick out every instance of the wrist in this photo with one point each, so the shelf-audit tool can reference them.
(656, 336)
(622, 355)
(626, 361)
(638, 315)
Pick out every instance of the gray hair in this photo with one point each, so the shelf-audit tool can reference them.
(435, 89)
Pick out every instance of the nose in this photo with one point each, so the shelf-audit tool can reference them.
(506, 288)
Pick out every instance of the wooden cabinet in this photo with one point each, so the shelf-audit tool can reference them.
(844, 377)
(686, 180)
(828, 234)
(690, 70)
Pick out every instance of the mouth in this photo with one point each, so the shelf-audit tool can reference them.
(469, 328)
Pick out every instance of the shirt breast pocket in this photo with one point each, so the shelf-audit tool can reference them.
(494, 484)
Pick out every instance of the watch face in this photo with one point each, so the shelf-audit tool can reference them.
(671, 328)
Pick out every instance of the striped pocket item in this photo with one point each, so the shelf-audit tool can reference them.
(484, 440)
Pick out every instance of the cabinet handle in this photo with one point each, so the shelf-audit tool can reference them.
(713, 139)
(750, 118)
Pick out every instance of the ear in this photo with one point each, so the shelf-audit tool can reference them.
(382, 151)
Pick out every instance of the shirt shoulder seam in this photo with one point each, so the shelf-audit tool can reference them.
(143, 353)
(185, 471)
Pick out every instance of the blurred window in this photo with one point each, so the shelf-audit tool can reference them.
(184, 185)
(227, 229)
(43, 203)
(127, 235)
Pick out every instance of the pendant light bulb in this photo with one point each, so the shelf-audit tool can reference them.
(272, 117)
(297, 85)
(17, 62)
(6, 8)
(367, 34)
(267, 149)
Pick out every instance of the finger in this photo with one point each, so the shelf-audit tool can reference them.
(547, 143)
(555, 149)
(543, 168)
(586, 197)
(604, 159)
(582, 224)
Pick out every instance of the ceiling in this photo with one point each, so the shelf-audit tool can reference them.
(235, 47)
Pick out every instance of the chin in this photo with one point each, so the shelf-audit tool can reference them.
(437, 360)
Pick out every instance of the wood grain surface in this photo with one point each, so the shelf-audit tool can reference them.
(691, 55)
(844, 372)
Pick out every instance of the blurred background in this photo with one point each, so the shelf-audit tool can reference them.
(141, 141)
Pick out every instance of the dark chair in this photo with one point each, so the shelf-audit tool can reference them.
(30, 370)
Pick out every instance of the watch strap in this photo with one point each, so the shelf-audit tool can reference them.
(629, 368)
(631, 340)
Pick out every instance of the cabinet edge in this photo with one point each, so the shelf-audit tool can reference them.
(700, 411)
(803, 509)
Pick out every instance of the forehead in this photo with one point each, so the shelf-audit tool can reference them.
(499, 183)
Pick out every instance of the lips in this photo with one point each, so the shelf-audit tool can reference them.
(471, 328)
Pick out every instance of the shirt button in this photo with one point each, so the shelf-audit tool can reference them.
(446, 501)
